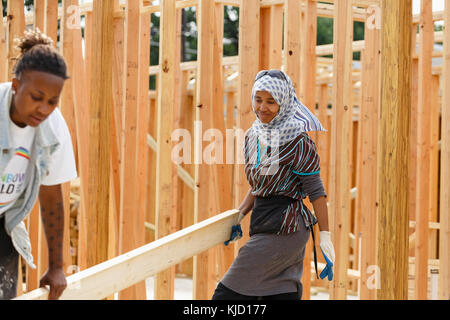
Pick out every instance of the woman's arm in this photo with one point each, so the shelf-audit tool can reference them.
(247, 203)
(321, 211)
(52, 212)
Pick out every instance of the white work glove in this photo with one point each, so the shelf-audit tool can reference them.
(328, 252)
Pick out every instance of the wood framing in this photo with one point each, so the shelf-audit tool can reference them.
(99, 134)
(423, 199)
(444, 252)
(392, 231)
(370, 87)
(164, 281)
(340, 162)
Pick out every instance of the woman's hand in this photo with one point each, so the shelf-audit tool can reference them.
(328, 252)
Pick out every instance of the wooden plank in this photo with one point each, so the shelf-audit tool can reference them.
(164, 282)
(426, 28)
(248, 68)
(222, 171)
(434, 164)
(127, 269)
(370, 87)
(143, 119)
(67, 109)
(204, 198)
(339, 177)
(97, 232)
(292, 15)
(51, 20)
(392, 231)
(16, 27)
(81, 103)
(131, 228)
(444, 239)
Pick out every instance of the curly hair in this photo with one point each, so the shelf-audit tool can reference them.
(37, 54)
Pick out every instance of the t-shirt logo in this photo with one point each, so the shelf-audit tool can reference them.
(12, 181)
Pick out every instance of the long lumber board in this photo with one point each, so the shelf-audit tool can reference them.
(123, 271)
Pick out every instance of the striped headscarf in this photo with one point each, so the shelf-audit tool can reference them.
(292, 119)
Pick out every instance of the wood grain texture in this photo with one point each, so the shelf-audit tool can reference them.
(392, 232)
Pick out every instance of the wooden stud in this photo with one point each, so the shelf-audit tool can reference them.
(51, 20)
(131, 230)
(340, 146)
(164, 281)
(426, 29)
(67, 109)
(392, 231)
(444, 238)
(248, 68)
(370, 88)
(97, 232)
(204, 202)
(16, 27)
(292, 53)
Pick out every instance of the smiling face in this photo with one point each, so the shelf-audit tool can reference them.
(266, 107)
(37, 95)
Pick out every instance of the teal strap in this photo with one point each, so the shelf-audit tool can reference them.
(306, 174)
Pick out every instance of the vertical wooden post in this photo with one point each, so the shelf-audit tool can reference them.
(221, 170)
(131, 225)
(204, 264)
(67, 109)
(16, 27)
(164, 281)
(249, 13)
(99, 133)
(51, 20)
(81, 103)
(341, 144)
(444, 239)
(392, 231)
(308, 83)
(367, 191)
(292, 53)
(426, 31)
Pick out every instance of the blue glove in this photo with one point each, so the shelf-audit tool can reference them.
(236, 233)
(328, 271)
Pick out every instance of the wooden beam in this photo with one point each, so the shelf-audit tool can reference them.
(164, 282)
(127, 269)
(131, 222)
(99, 133)
(426, 28)
(340, 146)
(369, 140)
(248, 68)
(444, 239)
(51, 20)
(16, 27)
(392, 231)
(204, 198)
(292, 53)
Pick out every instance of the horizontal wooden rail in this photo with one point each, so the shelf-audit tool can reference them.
(109, 277)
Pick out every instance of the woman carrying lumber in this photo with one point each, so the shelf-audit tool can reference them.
(282, 167)
(36, 157)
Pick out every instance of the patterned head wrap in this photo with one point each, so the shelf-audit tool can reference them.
(292, 119)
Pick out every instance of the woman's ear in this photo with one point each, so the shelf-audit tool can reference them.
(15, 84)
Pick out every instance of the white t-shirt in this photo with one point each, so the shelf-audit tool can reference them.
(16, 176)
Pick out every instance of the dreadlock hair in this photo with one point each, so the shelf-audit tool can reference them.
(37, 54)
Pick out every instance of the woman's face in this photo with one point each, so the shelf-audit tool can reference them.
(37, 95)
(265, 106)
